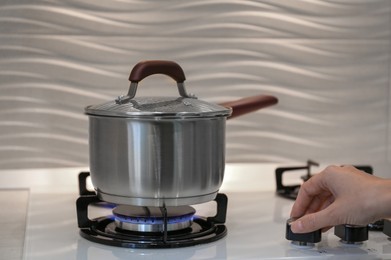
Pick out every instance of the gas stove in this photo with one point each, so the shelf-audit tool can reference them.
(148, 227)
(255, 222)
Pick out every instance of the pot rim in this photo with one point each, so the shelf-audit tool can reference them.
(135, 108)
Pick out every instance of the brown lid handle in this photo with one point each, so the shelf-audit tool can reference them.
(146, 68)
(249, 104)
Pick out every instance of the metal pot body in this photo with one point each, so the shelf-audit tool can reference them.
(156, 162)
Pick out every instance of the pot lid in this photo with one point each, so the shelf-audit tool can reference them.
(168, 107)
(186, 105)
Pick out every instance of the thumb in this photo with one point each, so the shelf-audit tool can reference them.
(311, 222)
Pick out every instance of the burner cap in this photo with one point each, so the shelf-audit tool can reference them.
(151, 219)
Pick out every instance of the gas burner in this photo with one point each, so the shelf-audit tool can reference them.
(151, 219)
(149, 227)
(291, 191)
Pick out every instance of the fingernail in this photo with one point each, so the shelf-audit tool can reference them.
(297, 226)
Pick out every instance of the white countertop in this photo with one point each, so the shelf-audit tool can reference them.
(255, 222)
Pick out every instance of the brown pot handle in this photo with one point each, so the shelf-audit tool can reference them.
(146, 68)
(249, 104)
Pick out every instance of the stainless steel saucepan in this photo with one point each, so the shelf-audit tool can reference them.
(161, 151)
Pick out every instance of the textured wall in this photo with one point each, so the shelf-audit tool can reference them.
(327, 61)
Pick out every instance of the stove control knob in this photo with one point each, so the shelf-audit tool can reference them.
(387, 227)
(302, 239)
(376, 226)
(351, 234)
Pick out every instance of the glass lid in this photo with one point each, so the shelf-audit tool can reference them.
(186, 105)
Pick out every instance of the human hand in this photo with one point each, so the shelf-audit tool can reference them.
(340, 195)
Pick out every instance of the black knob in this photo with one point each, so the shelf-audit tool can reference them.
(387, 227)
(351, 234)
(302, 238)
(376, 226)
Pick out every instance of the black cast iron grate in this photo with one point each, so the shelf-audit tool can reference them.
(104, 231)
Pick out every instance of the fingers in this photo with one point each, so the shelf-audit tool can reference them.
(310, 198)
(314, 204)
(306, 224)
(314, 221)
(331, 198)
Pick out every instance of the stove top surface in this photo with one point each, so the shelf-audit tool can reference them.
(256, 222)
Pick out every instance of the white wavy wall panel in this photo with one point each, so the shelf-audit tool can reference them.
(326, 61)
